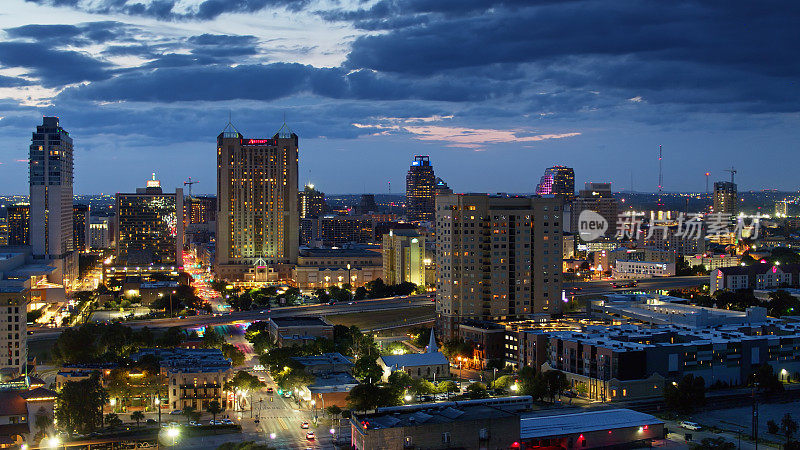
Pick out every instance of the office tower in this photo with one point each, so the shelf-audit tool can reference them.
(725, 198)
(80, 228)
(595, 197)
(258, 224)
(13, 332)
(420, 183)
(150, 227)
(497, 258)
(200, 209)
(100, 233)
(312, 202)
(781, 208)
(3, 231)
(51, 226)
(19, 222)
(441, 187)
(558, 181)
(367, 204)
(404, 257)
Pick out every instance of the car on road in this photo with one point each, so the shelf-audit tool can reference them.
(310, 436)
(257, 421)
(304, 425)
(227, 422)
(270, 390)
(195, 424)
(287, 394)
(176, 412)
(215, 422)
(690, 425)
(150, 422)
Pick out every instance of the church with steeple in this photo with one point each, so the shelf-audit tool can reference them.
(431, 364)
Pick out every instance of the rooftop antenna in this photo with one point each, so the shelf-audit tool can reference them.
(389, 183)
(732, 171)
(660, 175)
(708, 174)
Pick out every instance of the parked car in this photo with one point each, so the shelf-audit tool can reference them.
(227, 421)
(194, 424)
(690, 425)
(150, 422)
(176, 412)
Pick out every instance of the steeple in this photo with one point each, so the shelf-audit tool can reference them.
(432, 348)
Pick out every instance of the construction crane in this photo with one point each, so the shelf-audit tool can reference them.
(189, 183)
(732, 171)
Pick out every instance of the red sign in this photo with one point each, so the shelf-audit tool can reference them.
(256, 141)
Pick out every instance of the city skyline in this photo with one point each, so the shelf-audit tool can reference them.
(145, 88)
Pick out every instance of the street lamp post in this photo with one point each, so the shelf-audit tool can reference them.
(314, 405)
(349, 279)
(171, 314)
(158, 407)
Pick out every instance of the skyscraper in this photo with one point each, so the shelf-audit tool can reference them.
(19, 224)
(51, 179)
(404, 257)
(595, 197)
(14, 335)
(497, 258)
(150, 227)
(80, 229)
(312, 202)
(558, 181)
(420, 183)
(726, 198)
(258, 223)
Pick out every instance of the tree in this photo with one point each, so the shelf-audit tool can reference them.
(79, 406)
(43, 423)
(366, 368)
(214, 408)
(172, 337)
(244, 382)
(113, 420)
(773, 427)
(189, 412)
(477, 390)
(138, 416)
(556, 382)
(456, 347)
(767, 379)
(686, 395)
(788, 427)
(447, 387)
(333, 410)
(233, 353)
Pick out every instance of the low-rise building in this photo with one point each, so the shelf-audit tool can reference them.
(325, 267)
(298, 330)
(608, 428)
(487, 339)
(711, 262)
(195, 377)
(333, 373)
(628, 270)
(430, 365)
(18, 411)
(476, 424)
(755, 276)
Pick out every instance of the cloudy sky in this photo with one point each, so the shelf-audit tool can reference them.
(494, 91)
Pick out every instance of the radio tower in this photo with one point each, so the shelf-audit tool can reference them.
(660, 176)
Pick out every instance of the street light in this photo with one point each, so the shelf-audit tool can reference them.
(407, 398)
(53, 442)
(515, 387)
(158, 407)
(173, 432)
(272, 435)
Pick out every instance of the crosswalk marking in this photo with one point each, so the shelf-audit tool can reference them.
(282, 424)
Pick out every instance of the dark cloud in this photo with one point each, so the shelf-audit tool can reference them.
(74, 35)
(168, 10)
(13, 81)
(54, 68)
(279, 80)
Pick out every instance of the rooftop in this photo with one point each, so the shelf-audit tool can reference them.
(414, 359)
(437, 413)
(324, 359)
(541, 426)
(339, 253)
(187, 359)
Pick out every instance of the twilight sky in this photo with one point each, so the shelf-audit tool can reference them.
(494, 91)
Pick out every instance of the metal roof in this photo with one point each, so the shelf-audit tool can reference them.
(583, 422)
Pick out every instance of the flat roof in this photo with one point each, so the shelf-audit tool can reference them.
(538, 426)
(414, 359)
(435, 414)
(325, 358)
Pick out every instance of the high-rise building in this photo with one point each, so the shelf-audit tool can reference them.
(781, 208)
(595, 197)
(80, 228)
(258, 223)
(100, 232)
(19, 223)
(725, 198)
(3, 231)
(420, 184)
(200, 209)
(13, 332)
(312, 202)
(404, 257)
(367, 204)
(497, 258)
(51, 177)
(150, 227)
(558, 181)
